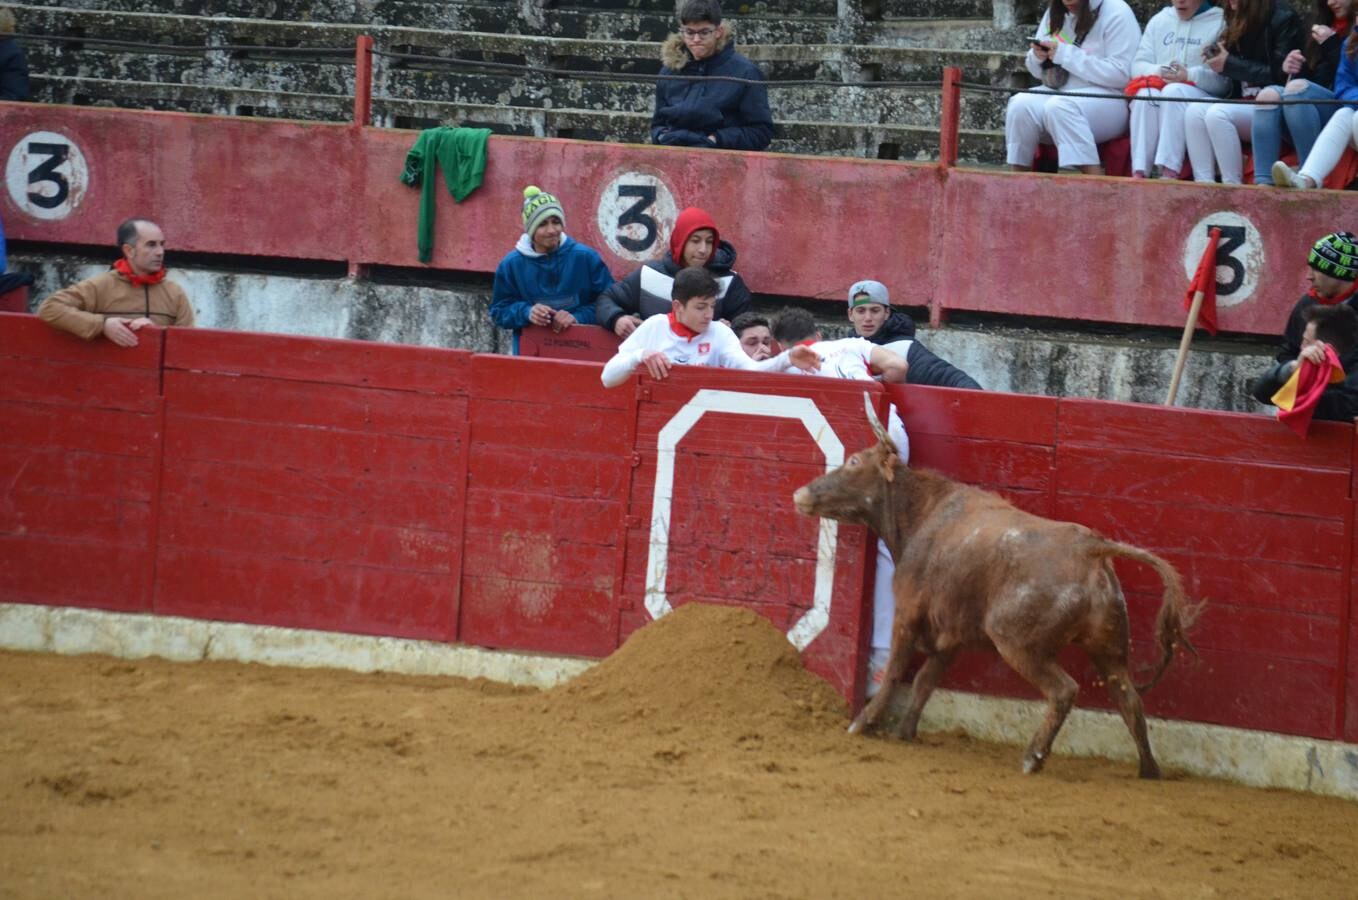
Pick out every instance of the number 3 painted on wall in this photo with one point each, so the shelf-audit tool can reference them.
(636, 215)
(46, 175)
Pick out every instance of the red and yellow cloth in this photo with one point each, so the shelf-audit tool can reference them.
(1297, 398)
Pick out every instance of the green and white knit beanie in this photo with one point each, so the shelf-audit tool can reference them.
(1335, 255)
(538, 205)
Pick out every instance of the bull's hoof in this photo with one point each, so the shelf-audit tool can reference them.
(1151, 771)
(860, 724)
(1032, 764)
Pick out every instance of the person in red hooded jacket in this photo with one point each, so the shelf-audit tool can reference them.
(695, 241)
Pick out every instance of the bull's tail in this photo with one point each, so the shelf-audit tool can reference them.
(1177, 616)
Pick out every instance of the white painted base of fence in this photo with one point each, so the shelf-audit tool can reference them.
(1257, 758)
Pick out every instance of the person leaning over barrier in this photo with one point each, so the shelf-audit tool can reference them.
(548, 279)
(646, 292)
(1169, 63)
(1082, 46)
(125, 299)
(756, 339)
(872, 318)
(689, 336)
(700, 112)
(856, 359)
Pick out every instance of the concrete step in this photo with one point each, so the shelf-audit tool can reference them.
(814, 22)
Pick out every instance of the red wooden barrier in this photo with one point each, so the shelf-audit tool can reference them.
(313, 483)
(586, 343)
(80, 459)
(515, 503)
(251, 187)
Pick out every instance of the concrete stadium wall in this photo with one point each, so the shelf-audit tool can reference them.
(515, 504)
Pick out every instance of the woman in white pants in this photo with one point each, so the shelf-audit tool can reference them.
(1258, 36)
(1340, 133)
(1169, 63)
(1089, 49)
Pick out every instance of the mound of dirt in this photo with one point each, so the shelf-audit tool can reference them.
(705, 666)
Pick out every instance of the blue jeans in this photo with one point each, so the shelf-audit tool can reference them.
(1300, 122)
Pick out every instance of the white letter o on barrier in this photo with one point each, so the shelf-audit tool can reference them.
(806, 629)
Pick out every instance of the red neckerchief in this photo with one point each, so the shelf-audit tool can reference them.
(1340, 26)
(1333, 301)
(806, 343)
(138, 280)
(681, 329)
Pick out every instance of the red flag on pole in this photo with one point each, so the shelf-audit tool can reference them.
(1205, 280)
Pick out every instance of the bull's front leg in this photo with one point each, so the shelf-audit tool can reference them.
(902, 646)
(926, 679)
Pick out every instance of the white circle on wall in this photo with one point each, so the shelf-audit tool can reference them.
(1240, 255)
(636, 214)
(46, 175)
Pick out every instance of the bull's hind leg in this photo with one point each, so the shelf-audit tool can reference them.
(1113, 668)
(1045, 674)
(926, 679)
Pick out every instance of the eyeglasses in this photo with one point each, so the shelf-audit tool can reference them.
(700, 34)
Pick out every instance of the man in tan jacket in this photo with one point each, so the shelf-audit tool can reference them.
(126, 298)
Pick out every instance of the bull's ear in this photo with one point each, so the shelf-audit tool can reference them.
(886, 462)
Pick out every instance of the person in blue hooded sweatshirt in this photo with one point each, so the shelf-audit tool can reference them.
(547, 279)
(699, 109)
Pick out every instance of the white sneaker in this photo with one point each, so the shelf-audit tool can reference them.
(1287, 177)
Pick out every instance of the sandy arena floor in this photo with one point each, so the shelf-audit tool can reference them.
(699, 761)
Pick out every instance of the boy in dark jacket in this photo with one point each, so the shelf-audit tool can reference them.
(695, 241)
(694, 111)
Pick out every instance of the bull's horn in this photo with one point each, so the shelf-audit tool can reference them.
(877, 428)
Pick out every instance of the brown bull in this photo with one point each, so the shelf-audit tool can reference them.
(973, 570)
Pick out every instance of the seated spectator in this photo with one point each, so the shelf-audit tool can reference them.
(696, 112)
(1257, 38)
(125, 299)
(1332, 267)
(1339, 133)
(13, 63)
(1336, 326)
(755, 338)
(1169, 63)
(547, 279)
(868, 305)
(1086, 46)
(689, 335)
(1311, 73)
(646, 292)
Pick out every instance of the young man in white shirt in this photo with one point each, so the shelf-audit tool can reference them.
(689, 336)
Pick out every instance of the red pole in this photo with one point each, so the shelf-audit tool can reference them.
(951, 116)
(363, 81)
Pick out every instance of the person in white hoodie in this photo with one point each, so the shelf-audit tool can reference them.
(1082, 46)
(1169, 63)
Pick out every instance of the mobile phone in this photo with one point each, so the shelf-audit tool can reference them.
(1211, 50)
(1036, 39)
